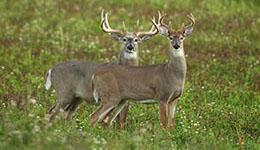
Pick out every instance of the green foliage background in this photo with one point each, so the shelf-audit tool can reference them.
(219, 108)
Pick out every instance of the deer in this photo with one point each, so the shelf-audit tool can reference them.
(72, 79)
(113, 85)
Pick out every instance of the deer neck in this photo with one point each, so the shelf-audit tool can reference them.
(126, 58)
(177, 63)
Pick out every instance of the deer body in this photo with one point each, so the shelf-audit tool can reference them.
(164, 82)
(157, 81)
(72, 79)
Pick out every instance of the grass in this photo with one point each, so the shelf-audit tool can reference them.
(219, 108)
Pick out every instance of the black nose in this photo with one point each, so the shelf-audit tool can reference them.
(176, 46)
(130, 47)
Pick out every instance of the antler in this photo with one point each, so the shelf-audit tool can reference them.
(154, 29)
(105, 24)
(192, 21)
(161, 19)
(162, 26)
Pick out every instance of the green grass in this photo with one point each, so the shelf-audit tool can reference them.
(219, 108)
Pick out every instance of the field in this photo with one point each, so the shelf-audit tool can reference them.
(218, 110)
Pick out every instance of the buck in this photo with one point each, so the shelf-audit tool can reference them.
(71, 79)
(115, 84)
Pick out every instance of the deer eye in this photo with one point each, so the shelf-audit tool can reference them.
(171, 38)
(136, 40)
(124, 39)
(181, 38)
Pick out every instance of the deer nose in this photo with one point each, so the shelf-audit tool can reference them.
(176, 46)
(130, 47)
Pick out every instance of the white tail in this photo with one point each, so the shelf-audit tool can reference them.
(95, 94)
(48, 80)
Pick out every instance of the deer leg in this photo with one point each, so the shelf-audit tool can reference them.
(63, 103)
(171, 113)
(163, 114)
(172, 102)
(115, 112)
(122, 115)
(100, 114)
(72, 108)
(54, 110)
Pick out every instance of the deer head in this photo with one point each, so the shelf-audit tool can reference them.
(176, 37)
(129, 40)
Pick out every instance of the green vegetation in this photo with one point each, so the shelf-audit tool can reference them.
(219, 108)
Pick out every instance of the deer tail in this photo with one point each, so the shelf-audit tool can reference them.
(48, 80)
(95, 94)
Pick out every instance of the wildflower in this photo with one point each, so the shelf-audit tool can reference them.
(96, 141)
(103, 141)
(33, 101)
(36, 128)
(13, 103)
(143, 130)
(30, 115)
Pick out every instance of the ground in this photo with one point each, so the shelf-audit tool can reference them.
(221, 102)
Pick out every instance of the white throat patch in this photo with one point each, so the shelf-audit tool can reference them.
(132, 55)
(178, 52)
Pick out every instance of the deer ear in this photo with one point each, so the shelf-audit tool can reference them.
(164, 31)
(187, 31)
(116, 36)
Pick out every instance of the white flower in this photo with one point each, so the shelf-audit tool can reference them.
(96, 141)
(36, 128)
(13, 103)
(30, 115)
(33, 101)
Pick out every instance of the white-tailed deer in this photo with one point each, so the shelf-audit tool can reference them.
(114, 84)
(72, 79)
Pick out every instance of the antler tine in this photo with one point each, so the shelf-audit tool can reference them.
(105, 24)
(106, 20)
(192, 20)
(154, 29)
(103, 19)
(161, 18)
(155, 25)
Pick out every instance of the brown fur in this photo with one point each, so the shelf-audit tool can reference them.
(163, 82)
(72, 79)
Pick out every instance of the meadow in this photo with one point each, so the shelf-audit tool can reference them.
(218, 110)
